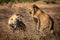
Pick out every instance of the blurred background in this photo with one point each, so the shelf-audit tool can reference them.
(20, 1)
(9, 7)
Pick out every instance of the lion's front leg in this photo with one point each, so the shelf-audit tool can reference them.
(41, 31)
(37, 23)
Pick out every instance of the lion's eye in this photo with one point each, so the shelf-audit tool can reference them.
(12, 19)
(17, 14)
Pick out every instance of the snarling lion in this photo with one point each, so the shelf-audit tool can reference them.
(12, 21)
(15, 21)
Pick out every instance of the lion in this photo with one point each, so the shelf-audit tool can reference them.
(12, 21)
(15, 21)
(44, 19)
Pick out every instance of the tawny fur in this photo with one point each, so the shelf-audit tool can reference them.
(12, 20)
(43, 18)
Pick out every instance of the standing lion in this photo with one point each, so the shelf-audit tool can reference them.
(45, 21)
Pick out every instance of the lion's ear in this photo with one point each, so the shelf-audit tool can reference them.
(35, 8)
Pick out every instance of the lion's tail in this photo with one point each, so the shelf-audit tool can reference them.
(51, 25)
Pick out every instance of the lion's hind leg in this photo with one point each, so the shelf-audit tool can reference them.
(51, 26)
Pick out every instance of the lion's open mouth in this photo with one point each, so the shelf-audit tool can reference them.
(18, 26)
(21, 25)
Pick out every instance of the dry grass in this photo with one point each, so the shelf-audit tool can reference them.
(6, 34)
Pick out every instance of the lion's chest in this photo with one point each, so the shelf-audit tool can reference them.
(44, 20)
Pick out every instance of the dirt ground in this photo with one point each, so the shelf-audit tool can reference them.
(52, 10)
